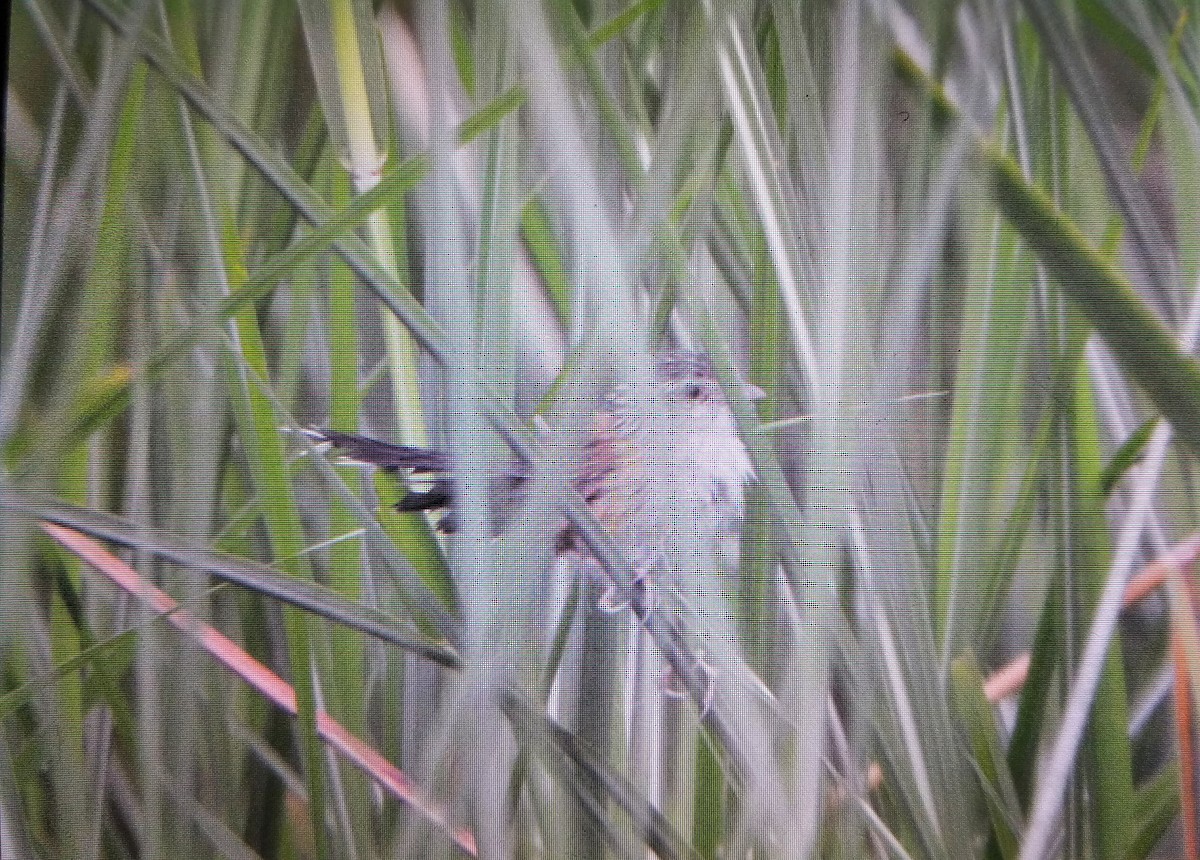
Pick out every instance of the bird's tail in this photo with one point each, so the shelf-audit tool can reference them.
(393, 458)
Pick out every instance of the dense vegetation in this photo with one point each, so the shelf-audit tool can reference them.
(954, 241)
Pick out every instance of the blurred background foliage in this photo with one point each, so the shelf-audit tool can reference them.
(955, 242)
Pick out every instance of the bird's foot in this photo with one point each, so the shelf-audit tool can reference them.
(675, 687)
(638, 595)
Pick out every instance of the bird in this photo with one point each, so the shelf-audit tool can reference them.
(660, 479)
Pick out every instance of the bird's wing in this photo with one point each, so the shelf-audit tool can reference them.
(609, 477)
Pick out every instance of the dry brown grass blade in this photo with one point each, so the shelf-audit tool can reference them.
(1009, 679)
(389, 777)
(1185, 725)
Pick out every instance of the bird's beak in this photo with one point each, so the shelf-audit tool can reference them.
(753, 392)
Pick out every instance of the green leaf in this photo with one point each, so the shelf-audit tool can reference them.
(1156, 809)
(1125, 457)
(1142, 345)
(975, 712)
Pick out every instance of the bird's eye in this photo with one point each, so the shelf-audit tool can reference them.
(694, 392)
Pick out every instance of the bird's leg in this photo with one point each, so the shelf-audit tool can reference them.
(612, 600)
(642, 601)
(644, 597)
(638, 596)
(674, 687)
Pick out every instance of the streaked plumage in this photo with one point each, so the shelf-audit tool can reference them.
(649, 478)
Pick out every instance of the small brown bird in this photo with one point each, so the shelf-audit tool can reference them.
(657, 481)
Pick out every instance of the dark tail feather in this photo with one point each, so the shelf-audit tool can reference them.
(437, 496)
(382, 454)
